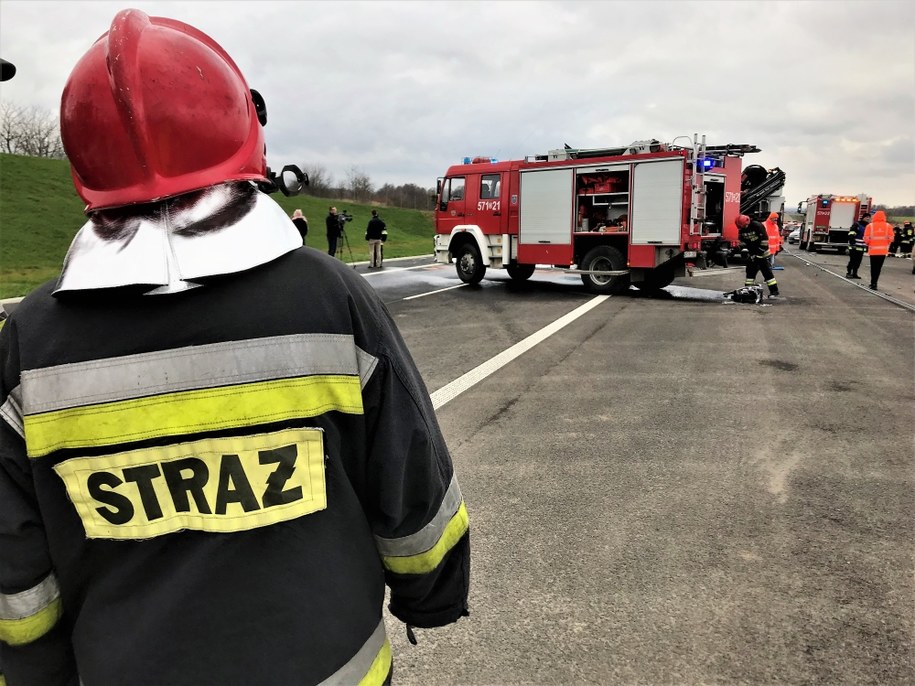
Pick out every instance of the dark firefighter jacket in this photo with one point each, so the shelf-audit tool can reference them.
(856, 236)
(189, 495)
(754, 238)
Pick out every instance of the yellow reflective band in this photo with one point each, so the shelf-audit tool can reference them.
(174, 414)
(381, 667)
(215, 484)
(429, 560)
(17, 632)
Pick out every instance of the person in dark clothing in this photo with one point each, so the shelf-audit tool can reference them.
(906, 240)
(301, 223)
(332, 222)
(894, 246)
(216, 452)
(856, 247)
(755, 241)
(374, 233)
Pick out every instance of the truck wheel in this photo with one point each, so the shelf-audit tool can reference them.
(470, 267)
(604, 258)
(520, 272)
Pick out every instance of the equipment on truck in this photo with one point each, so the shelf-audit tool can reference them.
(828, 219)
(634, 214)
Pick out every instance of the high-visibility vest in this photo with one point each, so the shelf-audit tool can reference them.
(878, 236)
(775, 239)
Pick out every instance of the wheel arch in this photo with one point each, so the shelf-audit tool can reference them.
(469, 233)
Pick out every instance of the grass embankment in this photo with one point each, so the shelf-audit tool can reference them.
(40, 213)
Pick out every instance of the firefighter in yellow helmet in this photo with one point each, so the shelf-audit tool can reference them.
(203, 481)
(755, 240)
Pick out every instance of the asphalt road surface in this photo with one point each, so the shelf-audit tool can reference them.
(673, 489)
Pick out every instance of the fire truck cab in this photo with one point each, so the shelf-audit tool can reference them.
(617, 216)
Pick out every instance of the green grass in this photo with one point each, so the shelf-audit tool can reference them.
(40, 214)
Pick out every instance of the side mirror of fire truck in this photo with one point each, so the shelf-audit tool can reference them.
(799, 205)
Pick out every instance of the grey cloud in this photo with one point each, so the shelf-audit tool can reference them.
(403, 89)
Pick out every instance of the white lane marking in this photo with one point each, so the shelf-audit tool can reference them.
(474, 376)
(440, 290)
(391, 270)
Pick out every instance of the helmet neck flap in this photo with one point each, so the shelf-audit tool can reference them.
(172, 246)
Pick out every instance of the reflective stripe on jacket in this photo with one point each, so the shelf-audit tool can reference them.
(878, 235)
(754, 237)
(216, 497)
(856, 236)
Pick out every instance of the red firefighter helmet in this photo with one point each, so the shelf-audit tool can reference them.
(742, 221)
(155, 109)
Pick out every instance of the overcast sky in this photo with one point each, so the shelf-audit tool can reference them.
(401, 90)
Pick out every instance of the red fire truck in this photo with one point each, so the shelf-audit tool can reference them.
(828, 219)
(617, 216)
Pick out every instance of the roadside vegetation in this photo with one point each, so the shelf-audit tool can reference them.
(40, 214)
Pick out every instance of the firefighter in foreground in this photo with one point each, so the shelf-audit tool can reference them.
(753, 239)
(203, 481)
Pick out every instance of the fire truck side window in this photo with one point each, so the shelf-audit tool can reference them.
(455, 189)
(489, 186)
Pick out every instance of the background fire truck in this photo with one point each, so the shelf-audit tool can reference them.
(617, 216)
(828, 219)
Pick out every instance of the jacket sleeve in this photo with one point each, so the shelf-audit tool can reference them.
(34, 643)
(416, 509)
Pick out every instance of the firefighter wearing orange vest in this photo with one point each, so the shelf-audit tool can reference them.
(877, 236)
(755, 240)
(775, 237)
(190, 495)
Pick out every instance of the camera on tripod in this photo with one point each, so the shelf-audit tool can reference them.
(344, 217)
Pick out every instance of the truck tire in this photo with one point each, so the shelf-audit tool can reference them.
(469, 264)
(520, 272)
(604, 258)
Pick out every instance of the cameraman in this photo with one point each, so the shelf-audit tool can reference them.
(334, 225)
(374, 233)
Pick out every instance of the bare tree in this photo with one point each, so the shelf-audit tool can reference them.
(359, 185)
(320, 181)
(29, 131)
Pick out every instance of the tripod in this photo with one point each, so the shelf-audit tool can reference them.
(345, 242)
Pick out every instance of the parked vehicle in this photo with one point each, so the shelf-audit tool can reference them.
(795, 236)
(636, 214)
(829, 217)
